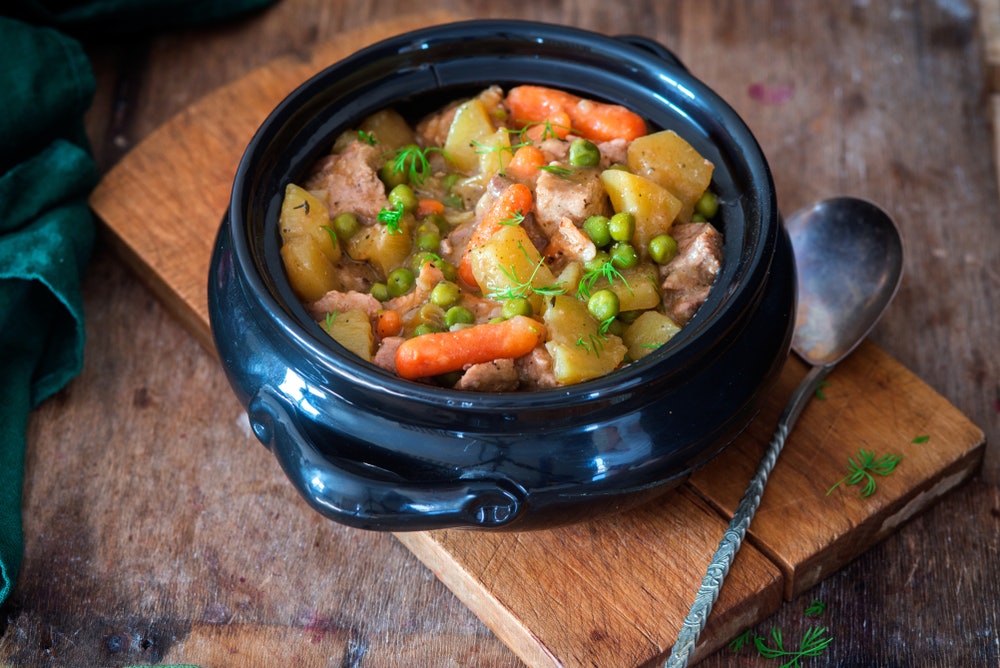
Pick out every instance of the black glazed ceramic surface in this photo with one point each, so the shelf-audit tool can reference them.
(371, 450)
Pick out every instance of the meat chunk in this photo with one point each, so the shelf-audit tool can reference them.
(576, 196)
(535, 370)
(341, 302)
(496, 376)
(385, 356)
(350, 182)
(687, 278)
(569, 243)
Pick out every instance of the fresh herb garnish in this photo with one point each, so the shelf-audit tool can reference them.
(744, 639)
(819, 390)
(515, 219)
(593, 344)
(861, 471)
(606, 270)
(413, 161)
(328, 320)
(391, 218)
(367, 137)
(558, 170)
(816, 608)
(921, 439)
(499, 149)
(814, 643)
(522, 289)
(332, 233)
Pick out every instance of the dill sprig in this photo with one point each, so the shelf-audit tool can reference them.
(861, 470)
(413, 161)
(519, 289)
(391, 218)
(367, 137)
(606, 270)
(814, 642)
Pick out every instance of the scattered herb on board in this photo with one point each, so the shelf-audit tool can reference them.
(819, 390)
(923, 438)
(861, 471)
(814, 643)
(816, 608)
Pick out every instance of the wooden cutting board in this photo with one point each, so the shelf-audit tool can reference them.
(611, 592)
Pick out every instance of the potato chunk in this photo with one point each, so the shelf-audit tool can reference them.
(579, 350)
(649, 331)
(353, 330)
(304, 213)
(669, 160)
(652, 205)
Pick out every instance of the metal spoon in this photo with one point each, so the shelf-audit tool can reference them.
(849, 260)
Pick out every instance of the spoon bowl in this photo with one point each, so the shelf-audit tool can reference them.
(849, 261)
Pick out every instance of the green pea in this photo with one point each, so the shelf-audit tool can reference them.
(622, 226)
(583, 153)
(453, 201)
(596, 264)
(623, 255)
(400, 281)
(427, 237)
(596, 227)
(628, 317)
(662, 248)
(516, 306)
(616, 327)
(603, 305)
(345, 225)
(698, 218)
(403, 197)
(380, 291)
(458, 315)
(425, 328)
(445, 294)
(390, 176)
(447, 268)
(707, 205)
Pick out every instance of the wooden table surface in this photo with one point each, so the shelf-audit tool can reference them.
(157, 530)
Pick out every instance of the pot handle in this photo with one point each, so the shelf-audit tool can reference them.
(367, 502)
(653, 47)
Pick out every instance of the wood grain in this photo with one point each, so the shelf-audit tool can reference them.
(553, 606)
(158, 531)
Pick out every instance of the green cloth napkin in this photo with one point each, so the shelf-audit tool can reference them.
(46, 228)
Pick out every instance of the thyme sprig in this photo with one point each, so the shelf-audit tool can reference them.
(861, 470)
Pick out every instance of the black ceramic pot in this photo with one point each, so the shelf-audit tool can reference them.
(371, 450)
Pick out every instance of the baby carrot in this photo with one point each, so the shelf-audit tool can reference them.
(427, 206)
(512, 204)
(597, 121)
(389, 323)
(526, 162)
(443, 352)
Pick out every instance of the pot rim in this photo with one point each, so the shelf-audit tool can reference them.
(695, 338)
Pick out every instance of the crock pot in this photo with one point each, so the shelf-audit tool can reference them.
(371, 450)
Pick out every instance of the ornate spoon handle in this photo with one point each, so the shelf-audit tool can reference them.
(732, 539)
